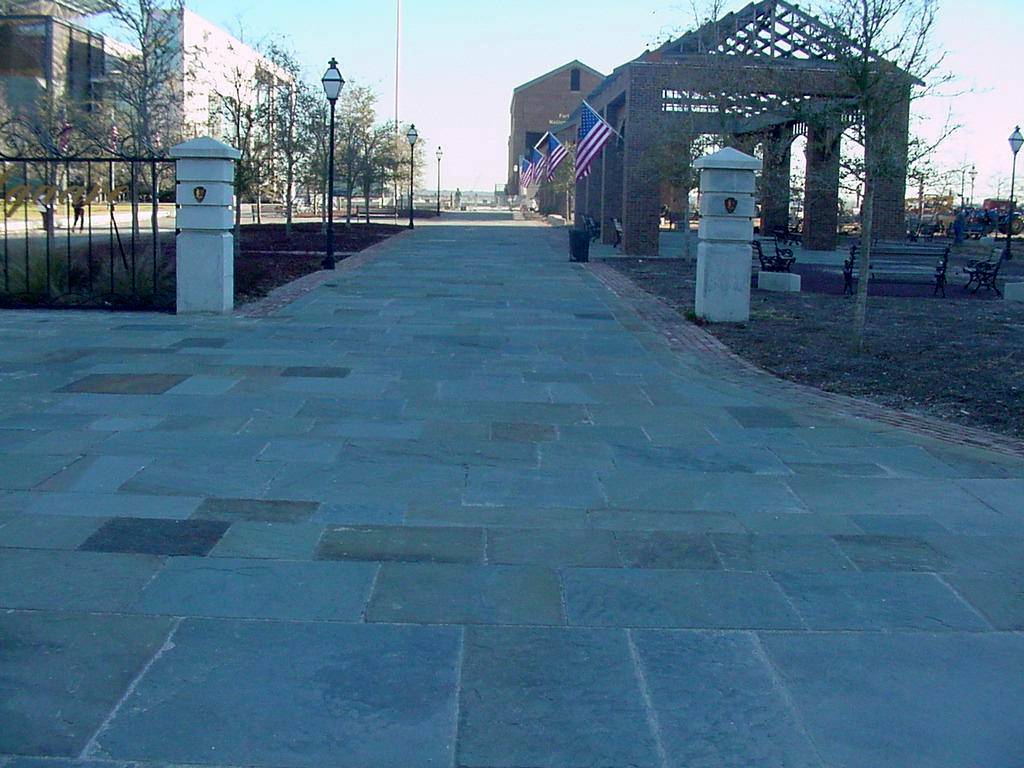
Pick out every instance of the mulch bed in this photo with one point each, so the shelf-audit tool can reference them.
(270, 257)
(960, 359)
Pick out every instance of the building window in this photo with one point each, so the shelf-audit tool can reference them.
(574, 80)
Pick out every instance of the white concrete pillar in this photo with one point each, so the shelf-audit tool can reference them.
(205, 242)
(727, 211)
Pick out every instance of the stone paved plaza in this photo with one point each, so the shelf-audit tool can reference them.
(461, 506)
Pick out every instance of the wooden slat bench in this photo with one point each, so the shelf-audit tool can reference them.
(903, 272)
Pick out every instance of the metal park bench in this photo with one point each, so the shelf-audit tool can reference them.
(787, 236)
(895, 271)
(982, 273)
(780, 261)
(618, 232)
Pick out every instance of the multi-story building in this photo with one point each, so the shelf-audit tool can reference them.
(216, 69)
(47, 51)
(542, 104)
(43, 52)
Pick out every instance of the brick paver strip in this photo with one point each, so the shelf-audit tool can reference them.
(685, 336)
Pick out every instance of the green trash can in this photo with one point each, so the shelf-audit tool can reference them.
(579, 245)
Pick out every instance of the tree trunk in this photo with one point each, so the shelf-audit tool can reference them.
(687, 250)
(860, 307)
(289, 184)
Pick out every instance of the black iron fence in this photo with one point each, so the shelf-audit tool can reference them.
(87, 232)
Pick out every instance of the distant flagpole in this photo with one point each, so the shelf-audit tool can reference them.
(398, 62)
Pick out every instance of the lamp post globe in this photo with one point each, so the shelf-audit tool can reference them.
(1016, 140)
(332, 82)
(411, 135)
(439, 155)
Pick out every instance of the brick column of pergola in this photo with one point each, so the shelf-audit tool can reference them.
(775, 176)
(821, 189)
(611, 195)
(641, 183)
(886, 146)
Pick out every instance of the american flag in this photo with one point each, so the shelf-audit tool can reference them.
(524, 174)
(537, 163)
(115, 137)
(556, 154)
(594, 133)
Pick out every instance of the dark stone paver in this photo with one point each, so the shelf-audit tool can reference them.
(666, 549)
(402, 543)
(62, 673)
(296, 694)
(552, 698)
(156, 537)
(125, 383)
(553, 547)
(261, 510)
(316, 371)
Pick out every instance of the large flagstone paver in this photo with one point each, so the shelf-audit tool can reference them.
(717, 702)
(920, 701)
(463, 506)
(62, 673)
(293, 694)
(552, 698)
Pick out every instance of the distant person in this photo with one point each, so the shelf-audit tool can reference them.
(959, 227)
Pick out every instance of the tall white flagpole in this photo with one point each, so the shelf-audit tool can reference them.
(398, 63)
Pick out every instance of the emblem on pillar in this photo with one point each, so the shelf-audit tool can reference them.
(730, 205)
(199, 193)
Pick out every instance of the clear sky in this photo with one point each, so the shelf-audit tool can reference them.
(462, 58)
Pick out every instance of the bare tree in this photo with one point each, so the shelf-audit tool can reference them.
(355, 121)
(145, 89)
(286, 135)
(375, 159)
(886, 60)
(314, 122)
(246, 119)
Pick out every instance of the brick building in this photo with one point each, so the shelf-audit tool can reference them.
(543, 103)
(760, 77)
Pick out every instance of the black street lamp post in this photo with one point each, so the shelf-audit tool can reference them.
(1016, 140)
(439, 154)
(332, 82)
(411, 135)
